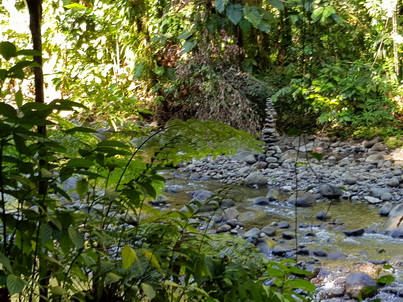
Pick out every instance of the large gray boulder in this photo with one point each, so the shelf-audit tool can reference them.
(330, 191)
(256, 178)
(360, 284)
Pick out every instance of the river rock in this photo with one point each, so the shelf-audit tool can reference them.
(230, 213)
(377, 192)
(357, 284)
(254, 232)
(323, 215)
(201, 194)
(227, 203)
(393, 182)
(375, 158)
(269, 231)
(281, 250)
(288, 235)
(354, 233)
(378, 147)
(255, 178)
(273, 194)
(372, 199)
(224, 228)
(370, 143)
(336, 255)
(397, 233)
(319, 253)
(385, 210)
(283, 225)
(305, 199)
(330, 191)
(241, 156)
(250, 159)
(397, 210)
(261, 201)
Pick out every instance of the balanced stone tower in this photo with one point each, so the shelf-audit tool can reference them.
(270, 136)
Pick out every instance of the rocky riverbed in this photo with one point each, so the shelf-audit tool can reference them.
(344, 193)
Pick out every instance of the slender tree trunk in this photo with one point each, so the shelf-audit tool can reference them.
(35, 14)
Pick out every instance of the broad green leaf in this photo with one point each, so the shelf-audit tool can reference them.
(18, 98)
(317, 14)
(328, 11)
(234, 13)
(129, 256)
(386, 279)
(189, 45)
(7, 110)
(253, 15)
(79, 163)
(46, 232)
(28, 52)
(220, 5)
(8, 50)
(57, 290)
(82, 188)
(148, 290)
(151, 257)
(264, 26)
(5, 262)
(185, 35)
(76, 237)
(15, 284)
(276, 4)
(111, 278)
(302, 284)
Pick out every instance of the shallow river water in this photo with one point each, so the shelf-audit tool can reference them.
(328, 236)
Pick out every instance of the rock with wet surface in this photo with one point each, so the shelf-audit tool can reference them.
(330, 191)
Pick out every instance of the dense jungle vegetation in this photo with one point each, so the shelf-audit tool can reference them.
(145, 85)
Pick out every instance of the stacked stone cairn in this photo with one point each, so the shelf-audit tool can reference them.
(270, 136)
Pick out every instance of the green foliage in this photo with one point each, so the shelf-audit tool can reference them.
(344, 94)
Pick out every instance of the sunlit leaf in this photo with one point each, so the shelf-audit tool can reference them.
(148, 290)
(129, 256)
(302, 284)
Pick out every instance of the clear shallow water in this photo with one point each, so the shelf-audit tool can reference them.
(328, 235)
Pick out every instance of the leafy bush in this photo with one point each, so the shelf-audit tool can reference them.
(342, 94)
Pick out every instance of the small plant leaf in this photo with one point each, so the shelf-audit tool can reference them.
(386, 279)
(82, 188)
(148, 290)
(302, 284)
(129, 256)
(234, 13)
(111, 278)
(8, 50)
(15, 284)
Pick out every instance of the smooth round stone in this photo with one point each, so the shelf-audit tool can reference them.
(269, 231)
(224, 228)
(319, 253)
(261, 201)
(283, 225)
